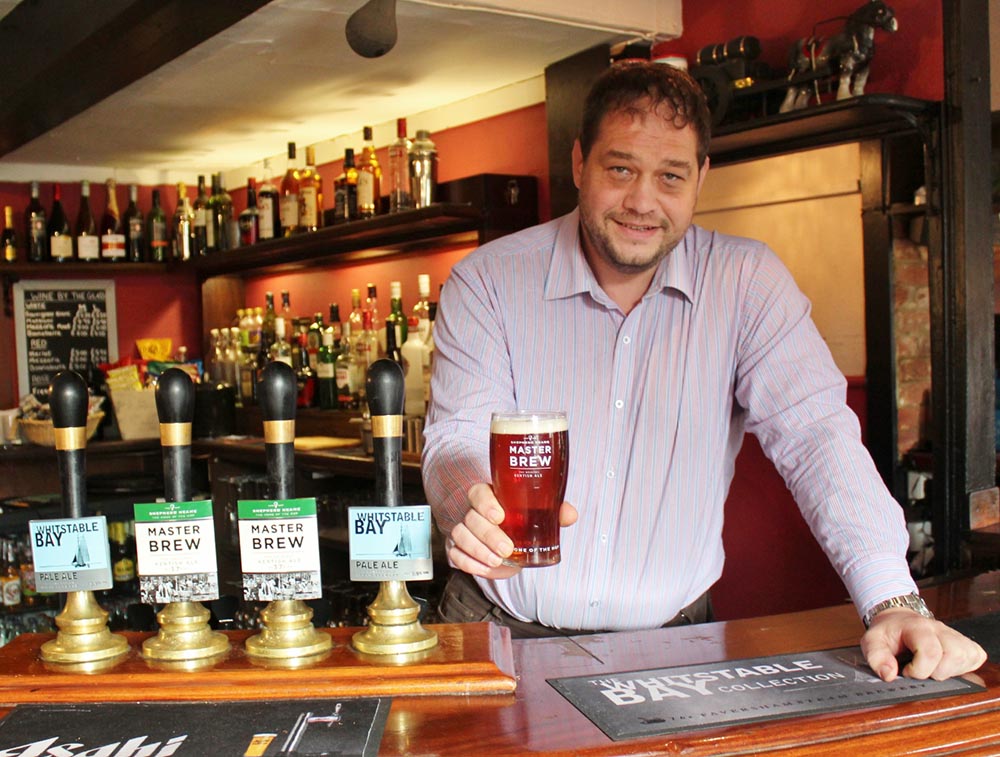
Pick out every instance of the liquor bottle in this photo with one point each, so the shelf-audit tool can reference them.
(250, 218)
(396, 315)
(326, 373)
(347, 371)
(371, 306)
(423, 170)
(369, 178)
(156, 231)
(232, 362)
(367, 344)
(215, 358)
(200, 223)
(267, 327)
(286, 307)
(112, 236)
(135, 245)
(413, 371)
(248, 376)
(220, 225)
(229, 218)
(183, 225)
(422, 309)
(88, 244)
(314, 340)
(10, 579)
(305, 376)
(123, 575)
(8, 240)
(258, 326)
(392, 350)
(400, 197)
(281, 350)
(345, 196)
(289, 207)
(60, 238)
(35, 223)
(310, 211)
(335, 328)
(268, 217)
(355, 318)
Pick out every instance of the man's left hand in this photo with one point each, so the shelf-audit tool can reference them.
(939, 652)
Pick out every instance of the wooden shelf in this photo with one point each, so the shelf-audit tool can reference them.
(862, 117)
(349, 242)
(78, 270)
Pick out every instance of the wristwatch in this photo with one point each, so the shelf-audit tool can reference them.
(909, 601)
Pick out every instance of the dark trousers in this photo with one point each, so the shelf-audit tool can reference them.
(464, 602)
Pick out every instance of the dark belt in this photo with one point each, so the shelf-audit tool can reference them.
(464, 602)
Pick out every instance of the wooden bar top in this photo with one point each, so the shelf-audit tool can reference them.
(535, 719)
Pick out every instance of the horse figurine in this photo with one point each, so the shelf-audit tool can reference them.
(847, 55)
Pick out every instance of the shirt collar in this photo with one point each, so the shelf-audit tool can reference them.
(570, 274)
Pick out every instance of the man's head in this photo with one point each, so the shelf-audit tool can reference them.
(643, 86)
(639, 164)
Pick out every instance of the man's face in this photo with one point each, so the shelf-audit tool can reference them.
(638, 188)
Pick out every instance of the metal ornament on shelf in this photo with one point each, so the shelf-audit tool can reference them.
(394, 627)
(83, 640)
(287, 634)
(184, 635)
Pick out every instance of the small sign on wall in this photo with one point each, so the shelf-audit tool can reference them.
(62, 325)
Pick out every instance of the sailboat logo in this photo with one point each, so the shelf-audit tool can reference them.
(82, 557)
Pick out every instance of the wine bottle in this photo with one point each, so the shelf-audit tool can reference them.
(35, 223)
(289, 203)
(200, 222)
(183, 225)
(250, 218)
(268, 217)
(396, 315)
(112, 238)
(309, 208)
(88, 245)
(326, 373)
(220, 223)
(400, 197)
(135, 227)
(60, 237)
(8, 240)
(156, 231)
(369, 177)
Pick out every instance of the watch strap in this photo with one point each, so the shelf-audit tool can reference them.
(910, 601)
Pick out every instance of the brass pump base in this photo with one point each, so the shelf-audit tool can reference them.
(184, 635)
(288, 633)
(394, 628)
(83, 633)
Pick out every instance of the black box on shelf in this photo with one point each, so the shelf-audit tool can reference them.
(508, 202)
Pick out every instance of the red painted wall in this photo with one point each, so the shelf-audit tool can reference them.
(909, 62)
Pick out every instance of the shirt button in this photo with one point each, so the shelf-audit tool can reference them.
(619, 404)
(604, 538)
(611, 474)
(594, 603)
(626, 340)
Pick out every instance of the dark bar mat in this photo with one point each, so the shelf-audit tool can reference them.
(985, 629)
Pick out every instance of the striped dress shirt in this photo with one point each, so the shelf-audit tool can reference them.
(657, 402)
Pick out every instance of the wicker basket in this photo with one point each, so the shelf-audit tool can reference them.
(43, 433)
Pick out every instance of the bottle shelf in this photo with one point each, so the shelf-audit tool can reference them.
(78, 269)
(348, 242)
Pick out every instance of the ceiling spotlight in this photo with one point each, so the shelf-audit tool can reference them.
(371, 29)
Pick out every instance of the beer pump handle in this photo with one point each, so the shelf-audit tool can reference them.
(277, 394)
(68, 401)
(384, 389)
(175, 408)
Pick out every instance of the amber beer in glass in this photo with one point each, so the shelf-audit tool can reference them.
(529, 458)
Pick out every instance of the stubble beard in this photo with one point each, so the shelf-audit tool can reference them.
(605, 248)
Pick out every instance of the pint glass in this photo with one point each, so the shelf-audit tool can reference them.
(529, 457)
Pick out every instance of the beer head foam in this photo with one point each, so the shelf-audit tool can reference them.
(528, 423)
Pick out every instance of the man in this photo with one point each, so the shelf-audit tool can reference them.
(663, 342)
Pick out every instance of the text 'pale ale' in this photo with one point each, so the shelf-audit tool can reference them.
(529, 459)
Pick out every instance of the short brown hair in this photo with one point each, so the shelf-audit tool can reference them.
(638, 85)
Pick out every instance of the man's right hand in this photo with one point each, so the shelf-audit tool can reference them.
(478, 545)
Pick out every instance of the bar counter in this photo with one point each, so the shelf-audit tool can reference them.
(535, 719)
